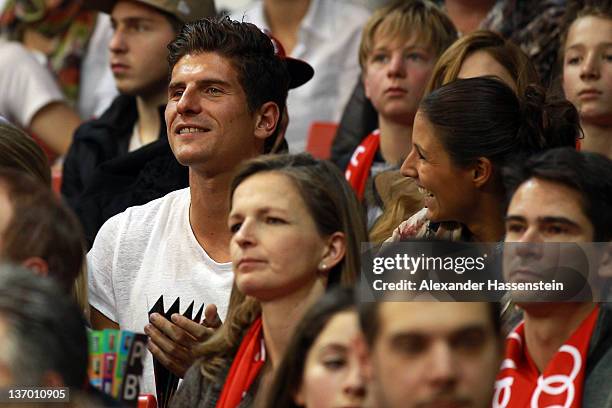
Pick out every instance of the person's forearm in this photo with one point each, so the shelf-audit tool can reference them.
(55, 124)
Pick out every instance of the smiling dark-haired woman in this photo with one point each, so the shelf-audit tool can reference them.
(464, 133)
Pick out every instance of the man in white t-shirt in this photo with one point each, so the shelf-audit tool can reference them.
(122, 158)
(226, 98)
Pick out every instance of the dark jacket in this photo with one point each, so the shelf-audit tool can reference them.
(598, 376)
(97, 141)
(358, 120)
(101, 178)
(196, 391)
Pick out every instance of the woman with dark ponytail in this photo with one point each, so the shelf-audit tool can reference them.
(464, 133)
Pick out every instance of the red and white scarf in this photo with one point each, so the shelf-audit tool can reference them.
(247, 363)
(520, 384)
(358, 169)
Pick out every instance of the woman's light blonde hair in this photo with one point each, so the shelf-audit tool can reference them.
(333, 206)
(400, 196)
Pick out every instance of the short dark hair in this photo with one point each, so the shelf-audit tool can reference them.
(289, 376)
(42, 226)
(45, 329)
(483, 117)
(369, 320)
(261, 73)
(588, 173)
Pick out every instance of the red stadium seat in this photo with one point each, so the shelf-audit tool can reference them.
(147, 401)
(320, 138)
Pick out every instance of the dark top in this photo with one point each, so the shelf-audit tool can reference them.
(196, 391)
(598, 376)
(97, 141)
(358, 120)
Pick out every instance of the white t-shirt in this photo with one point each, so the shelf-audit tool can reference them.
(26, 85)
(149, 251)
(328, 39)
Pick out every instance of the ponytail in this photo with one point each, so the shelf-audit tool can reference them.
(483, 117)
(545, 124)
